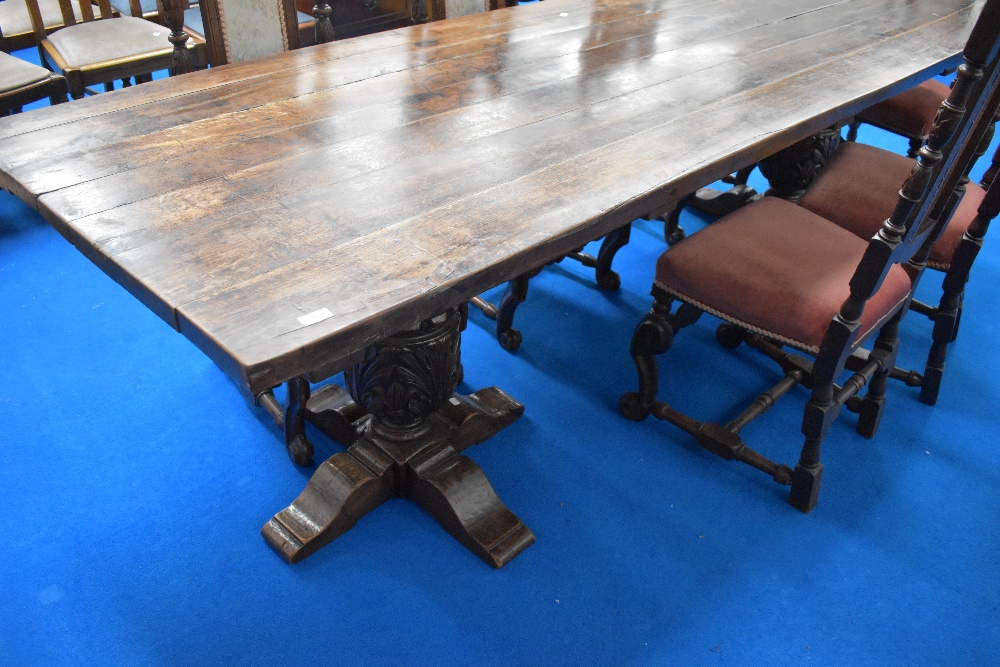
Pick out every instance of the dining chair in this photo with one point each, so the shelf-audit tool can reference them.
(235, 31)
(909, 114)
(449, 9)
(787, 281)
(16, 22)
(101, 47)
(22, 82)
(855, 186)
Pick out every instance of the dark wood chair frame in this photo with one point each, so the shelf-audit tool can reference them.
(791, 172)
(139, 68)
(54, 87)
(183, 62)
(915, 142)
(926, 202)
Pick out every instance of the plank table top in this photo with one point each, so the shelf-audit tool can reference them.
(380, 180)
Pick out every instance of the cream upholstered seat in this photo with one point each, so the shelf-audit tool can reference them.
(22, 83)
(88, 44)
(103, 47)
(16, 73)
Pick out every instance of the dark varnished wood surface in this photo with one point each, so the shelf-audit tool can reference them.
(392, 176)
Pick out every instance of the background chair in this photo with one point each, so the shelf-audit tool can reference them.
(242, 44)
(909, 114)
(235, 30)
(16, 22)
(449, 9)
(147, 9)
(780, 275)
(22, 82)
(101, 48)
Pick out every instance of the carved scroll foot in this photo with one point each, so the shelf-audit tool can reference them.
(717, 203)
(455, 491)
(613, 242)
(332, 410)
(478, 416)
(514, 295)
(341, 491)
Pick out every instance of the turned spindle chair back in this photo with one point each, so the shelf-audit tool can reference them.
(775, 272)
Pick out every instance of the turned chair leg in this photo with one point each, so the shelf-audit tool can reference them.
(945, 330)
(807, 477)
(820, 413)
(873, 404)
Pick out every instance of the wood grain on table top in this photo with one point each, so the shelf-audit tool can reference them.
(388, 177)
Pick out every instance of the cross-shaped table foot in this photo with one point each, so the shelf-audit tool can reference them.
(409, 447)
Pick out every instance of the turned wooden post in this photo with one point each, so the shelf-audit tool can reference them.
(173, 17)
(324, 26)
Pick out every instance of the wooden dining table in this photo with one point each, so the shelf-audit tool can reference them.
(335, 208)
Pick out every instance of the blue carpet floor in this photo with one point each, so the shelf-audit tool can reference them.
(135, 480)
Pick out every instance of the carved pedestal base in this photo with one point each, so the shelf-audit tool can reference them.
(409, 446)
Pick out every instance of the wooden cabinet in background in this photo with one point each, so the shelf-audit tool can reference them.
(361, 17)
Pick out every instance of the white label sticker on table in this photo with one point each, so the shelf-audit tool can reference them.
(315, 316)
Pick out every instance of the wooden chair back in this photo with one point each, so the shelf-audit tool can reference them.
(84, 11)
(238, 30)
(929, 196)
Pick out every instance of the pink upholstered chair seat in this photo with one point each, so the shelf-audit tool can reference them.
(777, 269)
(910, 113)
(859, 187)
